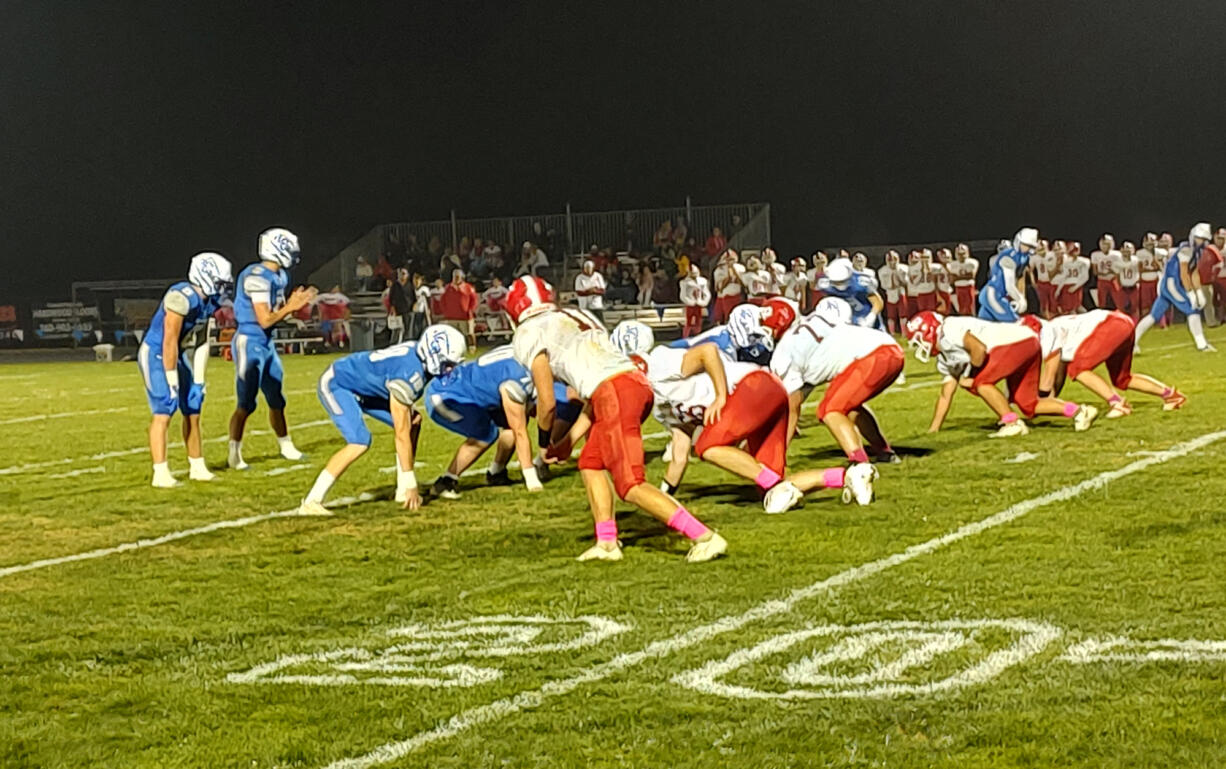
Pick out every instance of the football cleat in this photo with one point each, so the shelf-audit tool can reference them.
(858, 483)
(290, 451)
(1119, 409)
(889, 457)
(781, 497)
(1174, 401)
(201, 474)
(602, 551)
(1011, 430)
(313, 509)
(708, 546)
(500, 478)
(1207, 348)
(165, 482)
(1084, 417)
(447, 488)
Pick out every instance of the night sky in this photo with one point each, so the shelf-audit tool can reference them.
(135, 134)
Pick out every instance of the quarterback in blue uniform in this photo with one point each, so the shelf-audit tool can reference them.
(260, 304)
(1180, 288)
(174, 379)
(1003, 297)
(384, 384)
(488, 401)
(858, 289)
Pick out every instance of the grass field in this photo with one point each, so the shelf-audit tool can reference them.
(1065, 610)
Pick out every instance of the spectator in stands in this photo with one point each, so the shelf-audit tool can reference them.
(716, 243)
(681, 262)
(681, 233)
(695, 295)
(531, 260)
(665, 288)
(399, 306)
(663, 236)
(459, 304)
(363, 273)
(736, 226)
(796, 284)
(334, 317)
(384, 271)
(729, 287)
(434, 250)
(1127, 272)
(465, 251)
(449, 263)
(436, 298)
(421, 307)
(590, 289)
(494, 302)
(646, 284)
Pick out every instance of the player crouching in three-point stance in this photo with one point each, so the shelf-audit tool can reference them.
(383, 384)
(174, 380)
(573, 347)
(488, 401)
(1075, 345)
(260, 304)
(977, 354)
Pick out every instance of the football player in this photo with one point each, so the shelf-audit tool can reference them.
(488, 401)
(1003, 297)
(174, 378)
(573, 347)
(858, 289)
(384, 384)
(964, 271)
(1180, 288)
(751, 332)
(892, 277)
(1075, 345)
(259, 305)
(976, 354)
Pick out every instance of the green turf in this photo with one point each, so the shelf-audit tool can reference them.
(129, 659)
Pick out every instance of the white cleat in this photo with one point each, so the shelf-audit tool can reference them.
(235, 461)
(902, 378)
(602, 551)
(667, 456)
(1084, 418)
(710, 546)
(202, 474)
(165, 482)
(1207, 348)
(858, 483)
(290, 452)
(1120, 409)
(782, 497)
(1011, 430)
(313, 509)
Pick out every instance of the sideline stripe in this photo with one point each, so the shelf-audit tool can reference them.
(509, 706)
(174, 536)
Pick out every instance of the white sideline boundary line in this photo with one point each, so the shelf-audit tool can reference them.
(509, 706)
(174, 536)
(62, 415)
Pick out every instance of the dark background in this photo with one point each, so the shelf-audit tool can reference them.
(135, 134)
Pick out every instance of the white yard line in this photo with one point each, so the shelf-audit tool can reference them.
(174, 536)
(62, 415)
(82, 471)
(509, 706)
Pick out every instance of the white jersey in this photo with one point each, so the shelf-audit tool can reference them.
(940, 274)
(579, 350)
(796, 287)
(1127, 270)
(585, 283)
(1072, 330)
(815, 352)
(762, 282)
(921, 280)
(695, 292)
(893, 281)
(964, 273)
(1103, 264)
(1151, 265)
(954, 360)
(682, 401)
(1045, 267)
(1074, 273)
(722, 273)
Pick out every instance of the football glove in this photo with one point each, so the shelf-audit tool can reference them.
(195, 396)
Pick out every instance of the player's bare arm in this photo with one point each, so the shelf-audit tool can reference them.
(517, 421)
(706, 358)
(948, 388)
(405, 421)
(546, 404)
(268, 317)
(976, 349)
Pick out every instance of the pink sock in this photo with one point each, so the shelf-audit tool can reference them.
(859, 455)
(1070, 409)
(1009, 418)
(766, 478)
(1114, 399)
(1167, 392)
(687, 524)
(606, 531)
(832, 478)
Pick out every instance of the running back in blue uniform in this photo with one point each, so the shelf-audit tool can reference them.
(856, 293)
(185, 300)
(364, 383)
(257, 365)
(1171, 292)
(994, 301)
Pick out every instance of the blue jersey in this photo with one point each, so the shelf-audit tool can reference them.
(1171, 270)
(757, 353)
(182, 298)
(257, 283)
(478, 382)
(856, 293)
(379, 373)
(996, 279)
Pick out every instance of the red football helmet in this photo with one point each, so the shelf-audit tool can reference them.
(1032, 322)
(529, 296)
(922, 331)
(778, 315)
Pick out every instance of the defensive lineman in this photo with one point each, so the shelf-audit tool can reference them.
(260, 304)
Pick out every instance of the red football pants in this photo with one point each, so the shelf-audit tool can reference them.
(757, 413)
(862, 381)
(1110, 343)
(615, 441)
(1018, 365)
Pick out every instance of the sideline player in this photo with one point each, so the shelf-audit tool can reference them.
(383, 384)
(1075, 345)
(567, 345)
(976, 354)
(259, 305)
(892, 277)
(487, 401)
(166, 366)
(965, 269)
(1003, 297)
(1180, 288)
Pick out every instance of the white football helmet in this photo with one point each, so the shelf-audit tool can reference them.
(441, 348)
(1201, 230)
(279, 245)
(834, 311)
(633, 338)
(1026, 236)
(745, 327)
(212, 274)
(839, 272)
